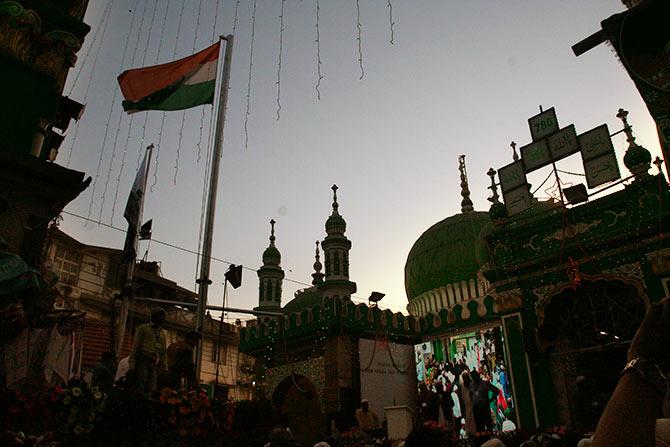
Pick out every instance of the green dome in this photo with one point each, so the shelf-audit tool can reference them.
(445, 253)
(304, 299)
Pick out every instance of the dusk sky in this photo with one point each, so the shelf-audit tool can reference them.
(461, 77)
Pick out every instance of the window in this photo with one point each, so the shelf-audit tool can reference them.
(222, 351)
(67, 263)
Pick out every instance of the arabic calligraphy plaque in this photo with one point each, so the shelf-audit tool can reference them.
(535, 155)
(543, 124)
(595, 142)
(517, 200)
(512, 176)
(563, 143)
(601, 170)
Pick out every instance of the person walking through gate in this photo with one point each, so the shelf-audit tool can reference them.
(483, 393)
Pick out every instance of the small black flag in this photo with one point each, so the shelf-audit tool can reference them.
(145, 230)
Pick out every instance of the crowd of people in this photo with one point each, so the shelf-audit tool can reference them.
(470, 395)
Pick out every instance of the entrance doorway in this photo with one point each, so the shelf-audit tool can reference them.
(478, 348)
(587, 332)
(298, 403)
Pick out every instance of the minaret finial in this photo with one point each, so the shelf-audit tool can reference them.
(466, 203)
(317, 275)
(272, 232)
(658, 161)
(495, 198)
(627, 128)
(335, 205)
(515, 155)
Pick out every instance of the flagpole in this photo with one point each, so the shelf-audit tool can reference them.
(128, 292)
(204, 281)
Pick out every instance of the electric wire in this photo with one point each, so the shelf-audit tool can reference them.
(199, 254)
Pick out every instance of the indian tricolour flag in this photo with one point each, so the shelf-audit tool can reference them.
(177, 85)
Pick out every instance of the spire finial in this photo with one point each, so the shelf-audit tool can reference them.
(627, 128)
(658, 161)
(335, 205)
(272, 232)
(515, 155)
(466, 203)
(495, 198)
(317, 275)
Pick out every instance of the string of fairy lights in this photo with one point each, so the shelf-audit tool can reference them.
(141, 45)
(124, 152)
(102, 25)
(140, 38)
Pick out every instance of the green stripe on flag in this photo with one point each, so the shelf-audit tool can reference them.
(183, 96)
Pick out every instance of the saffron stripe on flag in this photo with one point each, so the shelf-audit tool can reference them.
(140, 83)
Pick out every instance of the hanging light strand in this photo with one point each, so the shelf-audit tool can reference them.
(101, 24)
(91, 44)
(202, 116)
(174, 57)
(319, 76)
(359, 28)
(183, 114)
(146, 116)
(281, 47)
(391, 22)
(133, 61)
(118, 126)
(251, 65)
(102, 150)
(237, 7)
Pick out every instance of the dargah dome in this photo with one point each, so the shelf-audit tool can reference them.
(442, 268)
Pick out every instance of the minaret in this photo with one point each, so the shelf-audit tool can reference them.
(317, 276)
(637, 159)
(466, 203)
(336, 248)
(270, 276)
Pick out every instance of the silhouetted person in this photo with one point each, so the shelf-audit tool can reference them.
(148, 355)
(483, 393)
(103, 372)
(180, 362)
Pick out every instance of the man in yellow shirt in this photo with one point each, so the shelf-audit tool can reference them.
(367, 420)
(148, 356)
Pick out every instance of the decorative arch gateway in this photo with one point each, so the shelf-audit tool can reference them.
(629, 274)
(586, 331)
(297, 399)
(312, 369)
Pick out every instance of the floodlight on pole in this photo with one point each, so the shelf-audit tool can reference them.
(375, 297)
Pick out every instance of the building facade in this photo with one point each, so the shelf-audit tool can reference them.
(323, 353)
(89, 280)
(551, 296)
